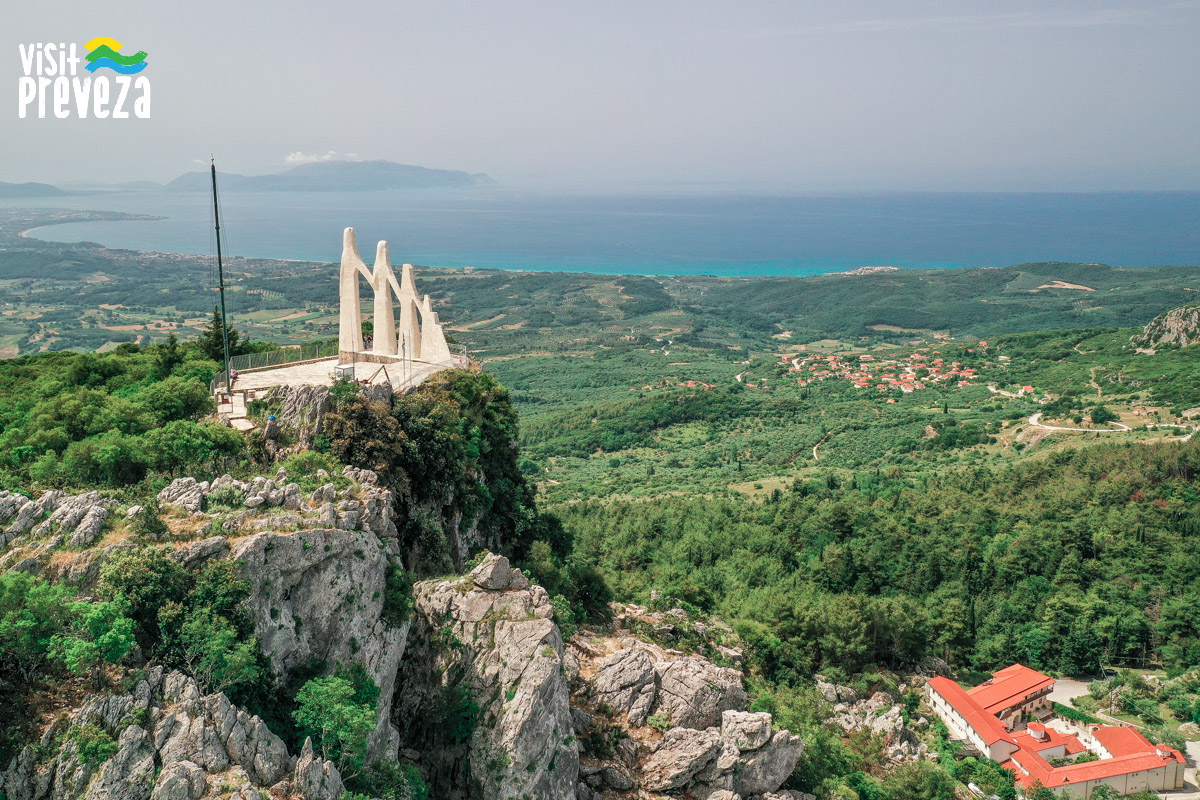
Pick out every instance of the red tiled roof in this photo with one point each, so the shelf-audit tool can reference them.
(1036, 768)
(987, 726)
(1008, 687)
(1121, 741)
(1131, 752)
(1029, 743)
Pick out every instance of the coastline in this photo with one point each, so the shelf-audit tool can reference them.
(101, 216)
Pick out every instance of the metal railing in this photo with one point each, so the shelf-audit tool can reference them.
(459, 357)
(284, 355)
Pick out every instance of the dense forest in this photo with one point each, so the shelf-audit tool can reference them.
(1061, 562)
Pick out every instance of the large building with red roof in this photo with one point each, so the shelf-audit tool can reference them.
(1000, 719)
(1015, 694)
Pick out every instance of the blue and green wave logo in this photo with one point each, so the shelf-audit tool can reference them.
(106, 52)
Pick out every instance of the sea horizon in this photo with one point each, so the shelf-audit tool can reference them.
(721, 234)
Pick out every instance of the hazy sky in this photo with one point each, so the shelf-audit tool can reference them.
(610, 94)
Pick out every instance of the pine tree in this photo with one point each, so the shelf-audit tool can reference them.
(168, 357)
(211, 338)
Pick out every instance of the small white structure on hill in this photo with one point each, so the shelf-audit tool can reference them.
(419, 336)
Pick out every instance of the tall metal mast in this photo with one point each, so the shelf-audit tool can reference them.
(221, 281)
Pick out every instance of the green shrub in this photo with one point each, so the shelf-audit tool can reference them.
(564, 616)
(95, 745)
(397, 596)
(147, 523)
(216, 655)
(303, 467)
(1066, 712)
(660, 722)
(226, 497)
(391, 780)
(148, 579)
(455, 714)
(326, 710)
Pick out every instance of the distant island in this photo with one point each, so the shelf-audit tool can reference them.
(335, 176)
(17, 190)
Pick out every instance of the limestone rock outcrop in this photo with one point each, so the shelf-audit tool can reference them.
(302, 410)
(75, 521)
(31, 529)
(487, 658)
(1179, 326)
(628, 683)
(742, 757)
(319, 596)
(694, 692)
(681, 755)
(883, 716)
(363, 505)
(712, 748)
(207, 747)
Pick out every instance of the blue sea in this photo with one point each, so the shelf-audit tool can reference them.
(663, 234)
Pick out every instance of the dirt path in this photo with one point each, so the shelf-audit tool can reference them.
(818, 444)
(1035, 420)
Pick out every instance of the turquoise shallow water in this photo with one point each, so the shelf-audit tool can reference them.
(665, 234)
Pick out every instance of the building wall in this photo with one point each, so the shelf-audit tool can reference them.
(959, 728)
(1166, 778)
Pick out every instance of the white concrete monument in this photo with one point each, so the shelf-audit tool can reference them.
(419, 336)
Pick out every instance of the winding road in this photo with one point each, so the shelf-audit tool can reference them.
(1035, 419)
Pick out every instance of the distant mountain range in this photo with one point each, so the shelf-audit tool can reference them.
(334, 176)
(16, 190)
(323, 176)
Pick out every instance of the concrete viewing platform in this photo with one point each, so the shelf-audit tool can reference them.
(254, 385)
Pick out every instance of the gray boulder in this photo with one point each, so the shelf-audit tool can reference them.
(681, 755)
(765, 769)
(695, 692)
(182, 780)
(628, 683)
(184, 493)
(493, 572)
(746, 730)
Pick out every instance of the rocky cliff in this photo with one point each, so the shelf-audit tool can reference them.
(477, 689)
(660, 720)
(1179, 326)
(488, 656)
(172, 743)
(446, 450)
